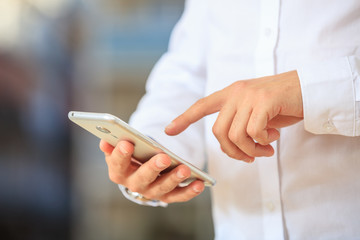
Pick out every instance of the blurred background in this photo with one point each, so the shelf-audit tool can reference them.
(88, 55)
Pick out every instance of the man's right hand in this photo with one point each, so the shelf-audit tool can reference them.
(146, 179)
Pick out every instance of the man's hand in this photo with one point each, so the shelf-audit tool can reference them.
(146, 179)
(249, 113)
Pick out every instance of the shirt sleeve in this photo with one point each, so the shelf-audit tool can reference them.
(331, 96)
(175, 83)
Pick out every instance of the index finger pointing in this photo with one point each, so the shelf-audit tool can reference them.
(198, 110)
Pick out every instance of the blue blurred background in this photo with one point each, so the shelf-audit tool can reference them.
(89, 55)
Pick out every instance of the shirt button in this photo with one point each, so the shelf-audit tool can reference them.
(329, 126)
(270, 206)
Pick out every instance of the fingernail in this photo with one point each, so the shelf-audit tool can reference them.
(180, 175)
(160, 163)
(196, 189)
(170, 126)
(251, 160)
(123, 149)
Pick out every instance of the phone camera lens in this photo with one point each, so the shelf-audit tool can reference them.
(102, 129)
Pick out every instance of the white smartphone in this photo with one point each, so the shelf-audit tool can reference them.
(112, 130)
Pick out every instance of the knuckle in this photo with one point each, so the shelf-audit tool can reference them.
(198, 105)
(134, 187)
(216, 130)
(235, 137)
(164, 188)
(257, 135)
(232, 154)
(262, 141)
(114, 177)
(150, 195)
(107, 160)
(251, 152)
(253, 132)
(235, 154)
(144, 179)
(239, 85)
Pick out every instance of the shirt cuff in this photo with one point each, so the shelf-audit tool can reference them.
(139, 199)
(328, 91)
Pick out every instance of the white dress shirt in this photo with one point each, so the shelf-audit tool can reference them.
(310, 188)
